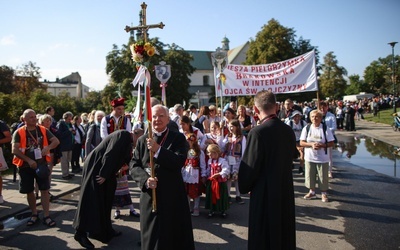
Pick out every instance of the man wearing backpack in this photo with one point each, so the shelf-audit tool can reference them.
(297, 125)
(316, 139)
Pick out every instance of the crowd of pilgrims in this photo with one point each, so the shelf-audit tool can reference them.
(216, 137)
(225, 127)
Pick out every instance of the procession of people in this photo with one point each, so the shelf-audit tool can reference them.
(188, 166)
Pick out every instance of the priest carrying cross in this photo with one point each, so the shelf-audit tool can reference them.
(156, 167)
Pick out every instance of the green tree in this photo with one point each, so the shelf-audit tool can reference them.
(331, 82)
(27, 79)
(273, 43)
(92, 101)
(65, 103)
(181, 69)
(378, 75)
(356, 86)
(40, 99)
(375, 76)
(7, 79)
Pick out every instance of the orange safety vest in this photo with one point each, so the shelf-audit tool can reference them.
(22, 144)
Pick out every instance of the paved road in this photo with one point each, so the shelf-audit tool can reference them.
(364, 213)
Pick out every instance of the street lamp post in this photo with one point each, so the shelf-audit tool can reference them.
(393, 81)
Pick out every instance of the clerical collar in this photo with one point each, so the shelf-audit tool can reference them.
(160, 133)
(269, 117)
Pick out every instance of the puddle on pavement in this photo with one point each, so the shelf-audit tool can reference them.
(369, 153)
(16, 221)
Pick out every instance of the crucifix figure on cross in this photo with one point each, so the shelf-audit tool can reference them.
(144, 27)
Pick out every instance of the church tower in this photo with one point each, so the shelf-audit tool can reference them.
(225, 44)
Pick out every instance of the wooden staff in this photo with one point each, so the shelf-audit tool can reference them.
(152, 174)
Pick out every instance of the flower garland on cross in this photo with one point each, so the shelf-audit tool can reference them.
(142, 51)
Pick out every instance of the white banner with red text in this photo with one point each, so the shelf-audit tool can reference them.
(290, 76)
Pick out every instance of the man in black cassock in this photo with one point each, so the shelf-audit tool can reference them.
(170, 227)
(93, 214)
(266, 172)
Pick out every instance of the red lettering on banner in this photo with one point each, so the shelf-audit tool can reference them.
(238, 68)
(259, 68)
(245, 83)
(276, 81)
(288, 71)
(233, 91)
(250, 91)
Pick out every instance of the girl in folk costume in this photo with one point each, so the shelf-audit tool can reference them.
(187, 128)
(234, 144)
(214, 137)
(122, 194)
(217, 191)
(194, 173)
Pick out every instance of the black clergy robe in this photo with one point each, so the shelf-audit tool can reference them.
(93, 214)
(171, 226)
(266, 172)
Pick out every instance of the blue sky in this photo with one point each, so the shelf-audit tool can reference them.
(75, 36)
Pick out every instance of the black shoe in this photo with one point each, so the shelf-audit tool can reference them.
(301, 171)
(134, 213)
(66, 177)
(76, 171)
(84, 241)
(223, 215)
(210, 214)
(117, 215)
(116, 233)
(71, 175)
(239, 200)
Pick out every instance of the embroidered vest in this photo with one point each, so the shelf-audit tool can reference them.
(111, 126)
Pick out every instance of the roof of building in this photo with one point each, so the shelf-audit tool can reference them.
(201, 59)
(233, 53)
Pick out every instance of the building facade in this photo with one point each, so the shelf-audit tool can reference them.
(203, 80)
(71, 84)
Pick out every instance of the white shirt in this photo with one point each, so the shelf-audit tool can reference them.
(316, 135)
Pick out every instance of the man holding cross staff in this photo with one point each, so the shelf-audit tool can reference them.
(165, 222)
(170, 227)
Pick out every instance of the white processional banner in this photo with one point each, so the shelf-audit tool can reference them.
(290, 76)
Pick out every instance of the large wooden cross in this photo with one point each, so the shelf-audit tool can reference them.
(144, 27)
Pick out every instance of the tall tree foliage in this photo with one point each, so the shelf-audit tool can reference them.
(356, 86)
(331, 82)
(7, 79)
(181, 69)
(378, 75)
(27, 79)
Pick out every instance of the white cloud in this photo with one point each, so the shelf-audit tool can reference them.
(7, 40)
(91, 51)
(58, 46)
